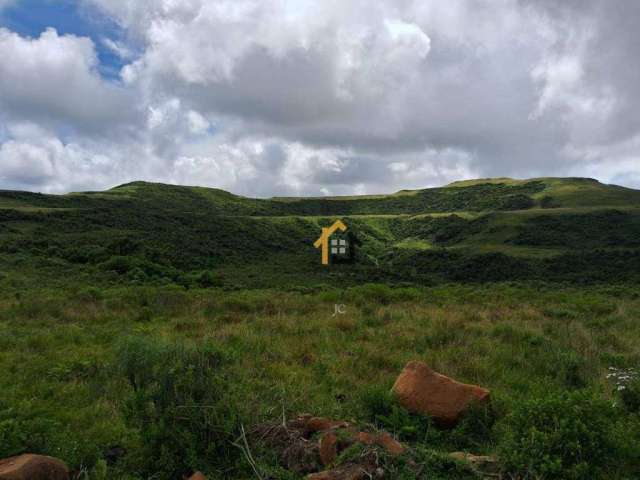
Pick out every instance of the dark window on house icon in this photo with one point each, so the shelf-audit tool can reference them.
(342, 247)
(339, 246)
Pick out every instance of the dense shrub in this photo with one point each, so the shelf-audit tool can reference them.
(22, 434)
(208, 279)
(630, 395)
(579, 231)
(562, 436)
(516, 202)
(30, 428)
(548, 202)
(178, 405)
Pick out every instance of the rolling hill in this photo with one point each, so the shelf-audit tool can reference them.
(574, 229)
(144, 328)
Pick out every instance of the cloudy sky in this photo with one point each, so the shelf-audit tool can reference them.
(297, 97)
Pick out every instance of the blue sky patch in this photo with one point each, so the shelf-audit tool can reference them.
(30, 18)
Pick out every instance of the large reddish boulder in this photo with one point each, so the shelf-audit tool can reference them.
(198, 476)
(421, 390)
(33, 467)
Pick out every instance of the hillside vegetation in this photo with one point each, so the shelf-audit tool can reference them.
(500, 229)
(152, 330)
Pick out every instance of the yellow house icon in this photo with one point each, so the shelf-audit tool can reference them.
(323, 241)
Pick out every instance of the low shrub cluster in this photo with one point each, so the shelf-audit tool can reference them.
(568, 436)
(559, 435)
(179, 407)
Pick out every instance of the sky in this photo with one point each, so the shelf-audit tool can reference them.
(334, 97)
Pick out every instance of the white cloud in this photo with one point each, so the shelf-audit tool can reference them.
(120, 49)
(54, 79)
(340, 96)
(34, 159)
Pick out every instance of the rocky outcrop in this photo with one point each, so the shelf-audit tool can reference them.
(33, 467)
(308, 444)
(331, 444)
(421, 390)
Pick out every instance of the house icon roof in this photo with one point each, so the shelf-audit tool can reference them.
(323, 241)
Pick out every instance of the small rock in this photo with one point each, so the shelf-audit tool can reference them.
(384, 440)
(390, 444)
(328, 448)
(366, 438)
(421, 390)
(320, 424)
(33, 467)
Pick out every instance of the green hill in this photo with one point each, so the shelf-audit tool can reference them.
(150, 330)
(488, 229)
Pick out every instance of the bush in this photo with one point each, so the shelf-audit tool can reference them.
(29, 428)
(178, 405)
(518, 201)
(382, 408)
(22, 433)
(630, 395)
(209, 279)
(562, 436)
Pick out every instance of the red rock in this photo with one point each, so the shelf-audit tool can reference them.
(421, 390)
(390, 444)
(384, 440)
(33, 467)
(320, 424)
(198, 476)
(328, 448)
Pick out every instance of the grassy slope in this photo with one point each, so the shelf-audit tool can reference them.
(193, 228)
(62, 311)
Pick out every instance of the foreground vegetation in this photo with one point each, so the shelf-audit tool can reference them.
(151, 330)
(168, 375)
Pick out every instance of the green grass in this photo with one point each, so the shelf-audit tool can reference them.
(526, 287)
(285, 350)
(414, 244)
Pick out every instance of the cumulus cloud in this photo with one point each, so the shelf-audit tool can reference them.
(334, 97)
(53, 79)
(35, 159)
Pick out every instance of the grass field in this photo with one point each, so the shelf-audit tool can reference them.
(64, 393)
(160, 322)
